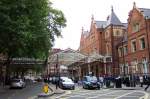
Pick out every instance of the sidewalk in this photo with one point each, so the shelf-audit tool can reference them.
(3, 89)
(129, 88)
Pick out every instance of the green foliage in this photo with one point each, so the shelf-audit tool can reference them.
(28, 27)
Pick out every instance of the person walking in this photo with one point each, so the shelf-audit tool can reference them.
(101, 79)
(141, 81)
(148, 83)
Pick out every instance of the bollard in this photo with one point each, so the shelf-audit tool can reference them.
(46, 88)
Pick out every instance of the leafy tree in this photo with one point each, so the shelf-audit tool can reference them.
(28, 27)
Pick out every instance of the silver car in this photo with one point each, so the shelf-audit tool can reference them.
(17, 83)
(66, 83)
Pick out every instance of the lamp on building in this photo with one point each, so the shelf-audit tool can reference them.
(57, 71)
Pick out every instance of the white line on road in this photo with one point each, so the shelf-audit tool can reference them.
(81, 95)
(124, 95)
(145, 96)
(102, 94)
(67, 92)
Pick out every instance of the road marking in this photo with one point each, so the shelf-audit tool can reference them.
(102, 94)
(125, 95)
(81, 95)
(145, 96)
(33, 97)
(59, 97)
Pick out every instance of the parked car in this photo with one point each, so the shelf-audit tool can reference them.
(17, 83)
(90, 82)
(66, 83)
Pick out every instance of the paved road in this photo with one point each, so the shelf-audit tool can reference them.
(102, 94)
(31, 92)
(25, 93)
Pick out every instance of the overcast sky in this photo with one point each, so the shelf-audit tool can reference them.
(78, 14)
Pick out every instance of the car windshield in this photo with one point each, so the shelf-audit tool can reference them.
(67, 80)
(92, 78)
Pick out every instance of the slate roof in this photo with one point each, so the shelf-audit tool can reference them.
(101, 24)
(113, 19)
(146, 12)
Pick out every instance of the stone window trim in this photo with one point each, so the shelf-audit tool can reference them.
(144, 59)
(135, 27)
(133, 47)
(107, 34)
(142, 47)
(125, 49)
(134, 64)
(120, 51)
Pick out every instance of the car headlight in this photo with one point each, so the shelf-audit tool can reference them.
(88, 83)
(98, 83)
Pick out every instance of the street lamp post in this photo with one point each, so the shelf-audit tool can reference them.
(57, 72)
(123, 50)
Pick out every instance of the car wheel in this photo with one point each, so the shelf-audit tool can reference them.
(21, 87)
(84, 87)
(87, 87)
(98, 88)
(73, 88)
(62, 87)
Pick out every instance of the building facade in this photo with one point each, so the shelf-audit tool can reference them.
(114, 48)
(59, 62)
(103, 39)
(134, 53)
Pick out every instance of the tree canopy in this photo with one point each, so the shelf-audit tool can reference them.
(28, 27)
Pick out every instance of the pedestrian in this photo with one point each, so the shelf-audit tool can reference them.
(101, 79)
(148, 83)
(79, 82)
(141, 81)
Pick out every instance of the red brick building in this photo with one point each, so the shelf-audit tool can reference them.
(103, 39)
(90, 40)
(134, 51)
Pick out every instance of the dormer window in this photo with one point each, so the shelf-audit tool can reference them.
(135, 27)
